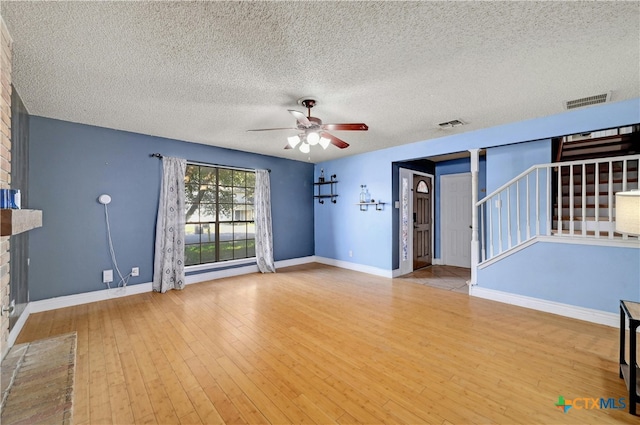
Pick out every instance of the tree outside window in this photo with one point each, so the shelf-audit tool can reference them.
(219, 214)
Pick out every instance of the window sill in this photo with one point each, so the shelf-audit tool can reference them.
(220, 265)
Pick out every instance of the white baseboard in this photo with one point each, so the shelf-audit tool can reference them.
(237, 271)
(355, 267)
(105, 294)
(295, 261)
(437, 261)
(567, 310)
(87, 297)
(219, 274)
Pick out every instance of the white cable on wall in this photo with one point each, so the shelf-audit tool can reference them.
(122, 283)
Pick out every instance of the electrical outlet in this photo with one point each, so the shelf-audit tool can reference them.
(135, 271)
(350, 253)
(107, 276)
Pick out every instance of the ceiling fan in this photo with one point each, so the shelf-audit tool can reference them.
(311, 130)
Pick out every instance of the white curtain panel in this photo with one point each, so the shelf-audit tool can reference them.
(264, 237)
(168, 264)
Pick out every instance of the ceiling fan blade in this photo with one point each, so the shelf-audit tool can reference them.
(269, 129)
(288, 146)
(300, 117)
(335, 141)
(346, 127)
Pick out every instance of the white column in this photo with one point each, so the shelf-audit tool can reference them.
(475, 245)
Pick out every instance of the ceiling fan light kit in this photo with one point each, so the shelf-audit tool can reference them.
(293, 141)
(324, 142)
(313, 132)
(313, 138)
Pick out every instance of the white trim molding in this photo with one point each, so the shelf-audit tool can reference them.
(355, 267)
(237, 271)
(106, 294)
(567, 310)
(87, 297)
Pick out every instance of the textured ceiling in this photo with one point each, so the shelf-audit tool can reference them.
(208, 71)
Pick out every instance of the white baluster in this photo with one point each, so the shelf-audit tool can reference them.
(584, 201)
(560, 200)
(528, 213)
(499, 224)
(549, 202)
(571, 201)
(483, 232)
(625, 236)
(508, 216)
(597, 196)
(518, 233)
(490, 241)
(610, 199)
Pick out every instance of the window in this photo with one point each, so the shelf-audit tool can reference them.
(219, 214)
(422, 187)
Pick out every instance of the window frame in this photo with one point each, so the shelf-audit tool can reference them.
(216, 221)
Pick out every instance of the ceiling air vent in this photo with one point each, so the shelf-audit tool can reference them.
(450, 124)
(588, 101)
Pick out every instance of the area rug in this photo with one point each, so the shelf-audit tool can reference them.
(37, 382)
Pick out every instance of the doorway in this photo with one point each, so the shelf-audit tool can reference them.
(416, 220)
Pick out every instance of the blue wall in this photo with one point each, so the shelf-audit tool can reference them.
(342, 227)
(72, 164)
(596, 277)
(503, 164)
(506, 162)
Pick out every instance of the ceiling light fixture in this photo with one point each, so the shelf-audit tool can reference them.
(312, 132)
(293, 141)
(313, 138)
(324, 142)
(305, 141)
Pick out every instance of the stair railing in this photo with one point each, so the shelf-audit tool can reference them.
(528, 206)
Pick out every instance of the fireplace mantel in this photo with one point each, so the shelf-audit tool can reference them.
(13, 221)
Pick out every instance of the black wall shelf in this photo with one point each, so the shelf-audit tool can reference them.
(322, 195)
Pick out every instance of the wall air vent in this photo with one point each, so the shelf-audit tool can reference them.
(588, 101)
(451, 124)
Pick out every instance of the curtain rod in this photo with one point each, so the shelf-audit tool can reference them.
(159, 156)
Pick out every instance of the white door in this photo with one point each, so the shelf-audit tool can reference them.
(455, 213)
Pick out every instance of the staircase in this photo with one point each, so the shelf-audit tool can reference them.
(586, 190)
(599, 144)
(572, 198)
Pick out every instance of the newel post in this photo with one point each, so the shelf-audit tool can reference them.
(475, 245)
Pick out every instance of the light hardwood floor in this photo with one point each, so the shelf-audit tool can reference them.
(317, 344)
